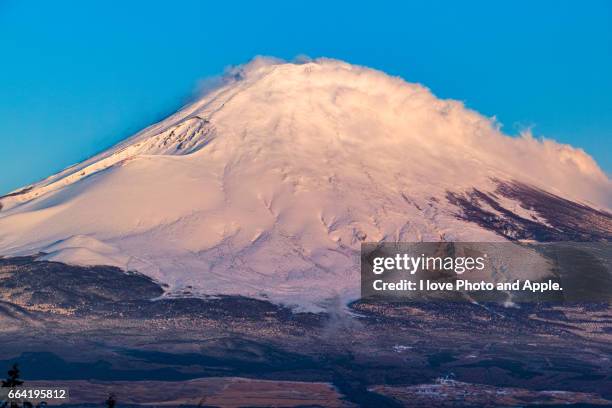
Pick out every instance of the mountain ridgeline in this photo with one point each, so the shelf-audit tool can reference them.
(266, 186)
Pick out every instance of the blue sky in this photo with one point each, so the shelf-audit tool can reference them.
(78, 76)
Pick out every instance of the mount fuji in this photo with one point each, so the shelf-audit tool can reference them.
(267, 185)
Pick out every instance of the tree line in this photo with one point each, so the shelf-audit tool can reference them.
(14, 381)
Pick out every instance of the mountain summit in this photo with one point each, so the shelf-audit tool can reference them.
(267, 185)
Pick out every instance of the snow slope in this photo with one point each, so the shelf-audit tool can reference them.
(267, 185)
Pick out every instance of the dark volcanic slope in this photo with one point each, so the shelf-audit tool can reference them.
(560, 219)
(25, 281)
(28, 285)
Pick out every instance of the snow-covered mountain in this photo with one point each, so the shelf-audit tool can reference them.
(267, 185)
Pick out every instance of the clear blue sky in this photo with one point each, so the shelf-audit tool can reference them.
(78, 76)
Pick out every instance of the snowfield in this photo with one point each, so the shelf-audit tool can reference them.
(267, 185)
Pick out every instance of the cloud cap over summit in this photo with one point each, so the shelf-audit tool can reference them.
(268, 183)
